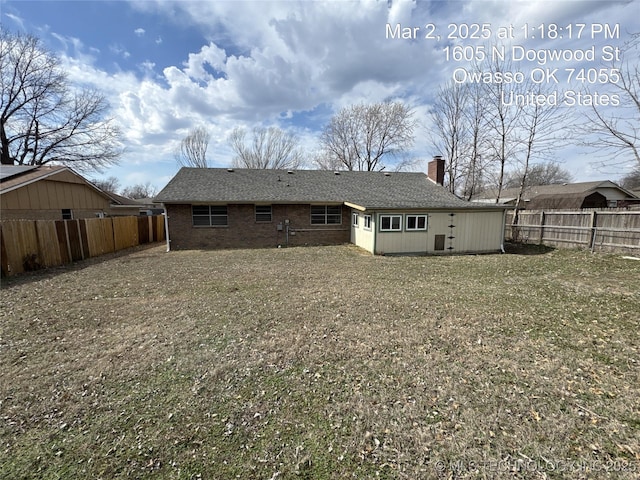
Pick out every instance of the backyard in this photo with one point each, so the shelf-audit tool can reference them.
(322, 362)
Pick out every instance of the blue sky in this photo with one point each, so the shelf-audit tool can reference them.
(169, 66)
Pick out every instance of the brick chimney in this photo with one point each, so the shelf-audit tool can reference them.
(435, 170)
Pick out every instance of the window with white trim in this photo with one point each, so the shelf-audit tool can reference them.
(209, 215)
(367, 222)
(67, 214)
(354, 221)
(263, 213)
(390, 223)
(326, 214)
(415, 222)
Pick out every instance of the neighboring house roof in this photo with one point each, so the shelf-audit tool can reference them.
(17, 176)
(8, 171)
(135, 204)
(367, 190)
(120, 200)
(569, 190)
(144, 201)
(569, 201)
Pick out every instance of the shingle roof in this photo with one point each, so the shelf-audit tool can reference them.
(13, 177)
(371, 190)
(567, 201)
(19, 175)
(8, 171)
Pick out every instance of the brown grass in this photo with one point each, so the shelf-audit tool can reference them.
(322, 363)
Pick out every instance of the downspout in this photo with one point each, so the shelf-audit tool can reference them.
(504, 226)
(166, 226)
(374, 231)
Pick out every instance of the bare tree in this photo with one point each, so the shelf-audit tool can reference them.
(545, 173)
(110, 185)
(486, 130)
(140, 190)
(539, 131)
(473, 168)
(42, 118)
(358, 137)
(631, 180)
(459, 133)
(501, 119)
(450, 134)
(268, 148)
(192, 151)
(322, 161)
(616, 132)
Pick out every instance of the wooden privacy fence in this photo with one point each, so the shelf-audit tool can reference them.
(605, 230)
(33, 244)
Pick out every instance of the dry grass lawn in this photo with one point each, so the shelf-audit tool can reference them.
(322, 363)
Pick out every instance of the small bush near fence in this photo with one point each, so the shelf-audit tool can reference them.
(602, 230)
(33, 244)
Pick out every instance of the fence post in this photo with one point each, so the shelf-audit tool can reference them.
(592, 237)
(541, 227)
(66, 233)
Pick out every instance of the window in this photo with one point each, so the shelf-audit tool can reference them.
(326, 214)
(209, 215)
(390, 223)
(66, 214)
(367, 222)
(355, 220)
(416, 222)
(263, 213)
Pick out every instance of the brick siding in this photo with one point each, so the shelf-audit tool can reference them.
(244, 232)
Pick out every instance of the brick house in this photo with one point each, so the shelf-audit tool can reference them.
(382, 212)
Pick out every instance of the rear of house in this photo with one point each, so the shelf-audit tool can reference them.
(428, 232)
(383, 213)
(255, 225)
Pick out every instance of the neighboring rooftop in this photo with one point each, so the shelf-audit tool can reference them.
(8, 171)
(370, 190)
(14, 176)
(568, 189)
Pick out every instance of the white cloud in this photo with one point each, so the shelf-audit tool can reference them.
(139, 32)
(147, 67)
(119, 50)
(286, 58)
(16, 19)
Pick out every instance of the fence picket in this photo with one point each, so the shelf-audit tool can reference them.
(607, 230)
(32, 244)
